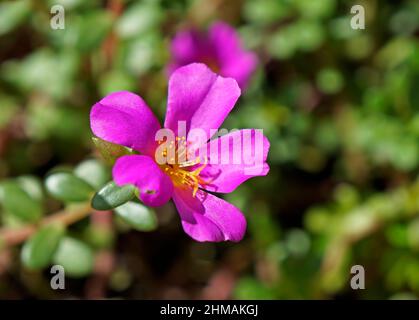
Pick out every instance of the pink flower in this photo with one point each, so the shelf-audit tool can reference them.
(200, 99)
(220, 49)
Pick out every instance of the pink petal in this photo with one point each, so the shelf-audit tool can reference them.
(208, 218)
(187, 47)
(155, 187)
(225, 40)
(200, 97)
(245, 151)
(241, 68)
(124, 118)
(235, 61)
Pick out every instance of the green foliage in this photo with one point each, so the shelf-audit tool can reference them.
(137, 216)
(250, 288)
(68, 187)
(13, 13)
(34, 72)
(9, 109)
(19, 203)
(92, 30)
(139, 19)
(38, 251)
(329, 80)
(112, 196)
(75, 256)
(93, 172)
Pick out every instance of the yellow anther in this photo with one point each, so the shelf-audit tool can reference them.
(178, 171)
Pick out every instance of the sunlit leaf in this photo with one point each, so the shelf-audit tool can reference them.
(32, 186)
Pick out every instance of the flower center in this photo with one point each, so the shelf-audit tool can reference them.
(179, 167)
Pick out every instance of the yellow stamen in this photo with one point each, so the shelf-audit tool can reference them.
(179, 173)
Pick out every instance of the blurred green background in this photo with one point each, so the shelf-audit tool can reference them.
(339, 106)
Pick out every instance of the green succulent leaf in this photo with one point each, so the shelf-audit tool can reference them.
(66, 186)
(137, 216)
(75, 256)
(19, 203)
(93, 172)
(38, 251)
(32, 186)
(112, 196)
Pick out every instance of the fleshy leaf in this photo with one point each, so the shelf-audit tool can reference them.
(93, 172)
(38, 251)
(19, 203)
(75, 256)
(66, 186)
(112, 196)
(32, 186)
(137, 216)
